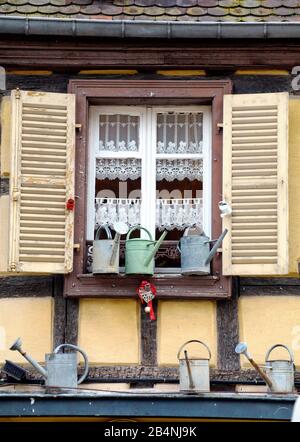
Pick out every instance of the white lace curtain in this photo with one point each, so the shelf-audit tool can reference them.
(179, 132)
(170, 213)
(118, 133)
(170, 170)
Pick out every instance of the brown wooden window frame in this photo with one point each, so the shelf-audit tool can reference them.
(107, 92)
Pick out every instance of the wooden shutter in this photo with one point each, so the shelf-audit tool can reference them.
(255, 184)
(42, 181)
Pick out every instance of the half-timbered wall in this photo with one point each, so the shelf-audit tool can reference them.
(117, 334)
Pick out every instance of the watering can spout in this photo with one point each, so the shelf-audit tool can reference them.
(215, 247)
(155, 248)
(17, 346)
(242, 349)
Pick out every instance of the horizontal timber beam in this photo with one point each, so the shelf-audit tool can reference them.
(90, 54)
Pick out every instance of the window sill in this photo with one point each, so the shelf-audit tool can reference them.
(169, 286)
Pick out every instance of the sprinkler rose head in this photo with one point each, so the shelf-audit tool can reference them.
(241, 348)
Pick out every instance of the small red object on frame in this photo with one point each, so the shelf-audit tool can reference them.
(147, 293)
(70, 204)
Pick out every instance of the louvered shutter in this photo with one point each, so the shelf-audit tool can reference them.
(42, 181)
(255, 184)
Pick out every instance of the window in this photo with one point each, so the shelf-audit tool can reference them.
(140, 101)
(150, 166)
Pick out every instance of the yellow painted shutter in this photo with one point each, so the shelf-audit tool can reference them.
(255, 184)
(42, 181)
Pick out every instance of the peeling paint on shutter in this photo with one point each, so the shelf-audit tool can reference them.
(42, 181)
(255, 184)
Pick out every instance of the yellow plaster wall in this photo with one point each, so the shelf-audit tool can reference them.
(180, 321)
(268, 320)
(4, 232)
(294, 185)
(5, 136)
(109, 330)
(29, 318)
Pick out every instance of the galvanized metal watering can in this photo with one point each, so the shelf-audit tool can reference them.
(106, 251)
(193, 373)
(139, 253)
(195, 251)
(61, 368)
(279, 375)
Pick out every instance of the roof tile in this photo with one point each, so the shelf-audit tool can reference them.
(111, 10)
(190, 10)
(175, 11)
(48, 9)
(196, 11)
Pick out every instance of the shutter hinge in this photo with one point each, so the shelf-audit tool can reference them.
(78, 126)
(16, 195)
(18, 94)
(76, 247)
(220, 125)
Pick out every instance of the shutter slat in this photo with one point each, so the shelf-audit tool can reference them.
(43, 181)
(255, 172)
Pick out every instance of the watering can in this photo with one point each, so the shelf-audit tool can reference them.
(139, 253)
(106, 251)
(61, 368)
(279, 375)
(193, 373)
(195, 252)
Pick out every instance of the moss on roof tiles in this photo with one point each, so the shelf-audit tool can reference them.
(190, 10)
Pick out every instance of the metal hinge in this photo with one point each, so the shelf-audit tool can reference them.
(220, 125)
(78, 126)
(18, 94)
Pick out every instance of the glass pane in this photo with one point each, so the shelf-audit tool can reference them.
(179, 132)
(118, 168)
(118, 133)
(171, 170)
(111, 210)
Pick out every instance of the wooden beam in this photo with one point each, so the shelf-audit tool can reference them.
(228, 330)
(72, 314)
(59, 320)
(4, 186)
(169, 286)
(26, 286)
(270, 286)
(80, 54)
(148, 337)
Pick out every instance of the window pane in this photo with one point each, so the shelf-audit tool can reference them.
(117, 168)
(179, 132)
(118, 133)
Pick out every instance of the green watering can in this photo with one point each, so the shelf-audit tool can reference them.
(139, 253)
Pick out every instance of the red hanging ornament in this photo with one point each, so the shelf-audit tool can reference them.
(147, 293)
(70, 204)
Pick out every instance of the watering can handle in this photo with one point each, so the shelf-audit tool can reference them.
(107, 231)
(189, 342)
(197, 228)
(86, 362)
(138, 228)
(283, 346)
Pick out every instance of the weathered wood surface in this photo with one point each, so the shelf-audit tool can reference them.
(26, 286)
(269, 286)
(148, 337)
(124, 373)
(4, 186)
(72, 310)
(228, 331)
(59, 319)
(90, 54)
(169, 286)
